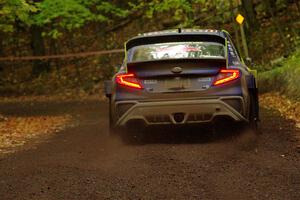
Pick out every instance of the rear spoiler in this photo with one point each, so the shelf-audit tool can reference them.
(174, 38)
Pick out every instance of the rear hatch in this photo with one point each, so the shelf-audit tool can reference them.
(176, 75)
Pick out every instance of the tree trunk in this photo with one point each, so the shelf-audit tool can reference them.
(297, 5)
(236, 32)
(272, 10)
(38, 49)
(56, 62)
(250, 14)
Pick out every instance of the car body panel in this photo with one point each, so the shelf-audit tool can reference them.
(193, 111)
(181, 85)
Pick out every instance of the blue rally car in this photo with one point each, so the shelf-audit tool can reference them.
(181, 77)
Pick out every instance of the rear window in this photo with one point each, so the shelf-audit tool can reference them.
(176, 50)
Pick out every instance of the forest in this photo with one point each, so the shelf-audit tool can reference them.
(55, 27)
(58, 130)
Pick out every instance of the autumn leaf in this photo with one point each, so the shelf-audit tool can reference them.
(288, 109)
(17, 131)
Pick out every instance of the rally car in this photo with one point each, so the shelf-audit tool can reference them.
(181, 77)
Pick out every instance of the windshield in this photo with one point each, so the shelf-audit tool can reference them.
(176, 50)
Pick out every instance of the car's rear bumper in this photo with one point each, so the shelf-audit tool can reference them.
(178, 112)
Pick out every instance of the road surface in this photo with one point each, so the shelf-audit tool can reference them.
(82, 162)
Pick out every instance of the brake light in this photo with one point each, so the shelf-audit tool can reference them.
(227, 75)
(128, 80)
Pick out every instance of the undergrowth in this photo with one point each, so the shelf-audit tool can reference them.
(284, 78)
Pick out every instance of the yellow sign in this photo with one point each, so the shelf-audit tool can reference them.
(240, 19)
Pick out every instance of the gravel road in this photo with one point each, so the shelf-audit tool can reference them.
(82, 162)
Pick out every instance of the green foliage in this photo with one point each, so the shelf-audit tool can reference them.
(109, 8)
(68, 14)
(186, 12)
(284, 79)
(13, 11)
(180, 9)
(73, 14)
(179, 6)
(57, 14)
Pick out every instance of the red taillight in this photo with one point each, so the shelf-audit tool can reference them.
(128, 80)
(227, 75)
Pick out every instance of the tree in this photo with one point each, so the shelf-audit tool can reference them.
(53, 18)
(12, 14)
(12, 11)
(271, 5)
(248, 8)
(38, 47)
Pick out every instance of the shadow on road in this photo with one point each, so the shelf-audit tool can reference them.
(185, 135)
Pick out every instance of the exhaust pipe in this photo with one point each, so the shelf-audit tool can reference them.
(178, 117)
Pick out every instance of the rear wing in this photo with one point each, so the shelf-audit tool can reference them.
(174, 38)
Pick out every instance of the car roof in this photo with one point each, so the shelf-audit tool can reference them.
(175, 33)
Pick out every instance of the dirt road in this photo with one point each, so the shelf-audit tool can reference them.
(84, 163)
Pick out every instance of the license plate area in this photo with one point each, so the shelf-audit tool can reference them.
(178, 83)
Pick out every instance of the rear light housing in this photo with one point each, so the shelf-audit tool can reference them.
(128, 80)
(226, 75)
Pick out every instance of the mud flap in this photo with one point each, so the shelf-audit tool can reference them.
(108, 88)
(253, 90)
(254, 73)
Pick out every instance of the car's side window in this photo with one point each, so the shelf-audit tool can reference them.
(233, 56)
